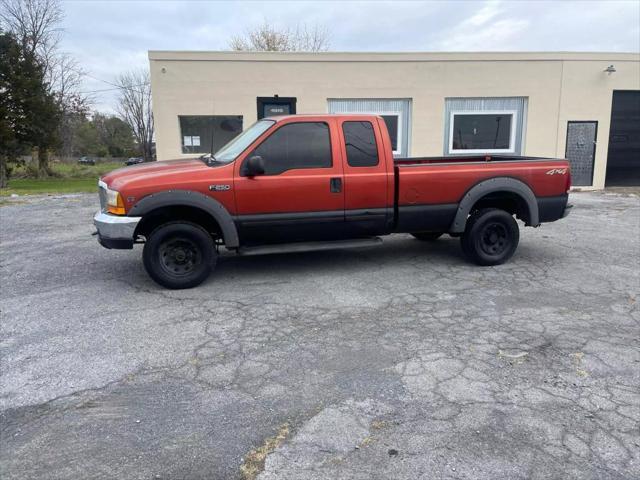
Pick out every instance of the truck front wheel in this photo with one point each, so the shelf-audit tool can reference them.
(179, 255)
(490, 237)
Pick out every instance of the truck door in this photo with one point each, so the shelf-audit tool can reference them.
(300, 196)
(367, 182)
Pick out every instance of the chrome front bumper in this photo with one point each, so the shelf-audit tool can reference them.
(115, 231)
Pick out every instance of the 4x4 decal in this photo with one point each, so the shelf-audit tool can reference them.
(557, 171)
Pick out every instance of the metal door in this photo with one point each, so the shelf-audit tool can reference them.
(274, 106)
(581, 151)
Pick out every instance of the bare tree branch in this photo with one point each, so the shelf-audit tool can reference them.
(269, 38)
(35, 23)
(134, 107)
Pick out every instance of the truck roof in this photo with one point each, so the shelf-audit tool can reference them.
(279, 118)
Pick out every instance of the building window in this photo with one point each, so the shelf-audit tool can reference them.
(482, 132)
(478, 125)
(208, 133)
(396, 114)
(393, 126)
(295, 146)
(360, 143)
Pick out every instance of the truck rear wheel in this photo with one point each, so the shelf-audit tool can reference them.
(179, 255)
(427, 236)
(490, 237)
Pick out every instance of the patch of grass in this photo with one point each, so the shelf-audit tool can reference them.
(253, 463)
(28, 186)
(73, 170)
(67, 178)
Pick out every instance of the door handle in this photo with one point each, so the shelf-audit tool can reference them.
(335, 185)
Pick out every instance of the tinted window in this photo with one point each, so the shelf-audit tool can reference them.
(208, 133)
(297, 145)
(482, 132)
(392, 126)
(360, 142)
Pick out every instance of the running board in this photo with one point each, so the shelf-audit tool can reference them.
(310, 246)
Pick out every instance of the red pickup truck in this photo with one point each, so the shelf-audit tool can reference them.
(308, 182)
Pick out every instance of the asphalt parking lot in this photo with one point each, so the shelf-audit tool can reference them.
(397, 362)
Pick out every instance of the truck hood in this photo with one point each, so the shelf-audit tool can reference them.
(153, 172)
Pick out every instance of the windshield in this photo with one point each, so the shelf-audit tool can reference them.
(235, 147)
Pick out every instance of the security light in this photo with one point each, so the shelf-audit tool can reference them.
(610, 69)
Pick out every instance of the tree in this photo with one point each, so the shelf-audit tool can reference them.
(28, 112)
(100, 136)
(87, 140)
(114, 134)
(268, 38)
(13, 82)
(36, 25)
(66, 76)
(134, 107)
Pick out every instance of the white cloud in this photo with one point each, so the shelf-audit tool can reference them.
(492, 37)
(486, 13)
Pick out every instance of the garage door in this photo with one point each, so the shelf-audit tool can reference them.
(623, 162)
(395, 112)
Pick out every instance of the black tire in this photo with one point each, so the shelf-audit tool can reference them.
(490, 237)
(179, 255)
(427, 236)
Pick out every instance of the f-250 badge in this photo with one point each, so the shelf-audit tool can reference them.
(557, 171)
(219, 188)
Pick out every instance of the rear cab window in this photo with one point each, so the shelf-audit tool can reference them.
(360, 144)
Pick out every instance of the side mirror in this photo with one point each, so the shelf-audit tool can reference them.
(254, 166)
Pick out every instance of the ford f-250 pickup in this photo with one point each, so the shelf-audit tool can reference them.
(308, 182)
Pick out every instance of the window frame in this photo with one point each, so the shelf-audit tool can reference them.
(512, 131)
(250, 152)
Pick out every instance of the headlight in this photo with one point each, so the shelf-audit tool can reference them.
(115, 204)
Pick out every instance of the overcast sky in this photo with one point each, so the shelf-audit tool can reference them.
(108, 37)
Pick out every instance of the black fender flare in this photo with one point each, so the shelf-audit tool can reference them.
(497, 184)
(189, 198)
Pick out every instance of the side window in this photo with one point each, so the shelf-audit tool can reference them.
(296, 145)
(360, 142)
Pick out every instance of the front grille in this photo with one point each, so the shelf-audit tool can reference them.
(102, 193)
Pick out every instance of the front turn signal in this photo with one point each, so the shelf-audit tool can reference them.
(115, 204)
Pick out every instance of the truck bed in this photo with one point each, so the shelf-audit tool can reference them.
(429, 189)
(408, 161)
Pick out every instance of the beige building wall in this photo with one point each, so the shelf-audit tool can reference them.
(559, 87)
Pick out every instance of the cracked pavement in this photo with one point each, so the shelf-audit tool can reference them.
(401, 361)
